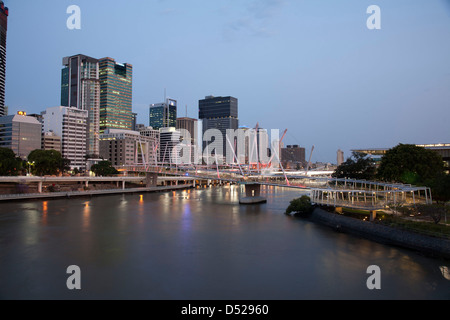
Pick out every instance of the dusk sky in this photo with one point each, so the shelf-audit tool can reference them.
(310, 66)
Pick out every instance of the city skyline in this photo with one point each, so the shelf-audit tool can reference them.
(316, 70)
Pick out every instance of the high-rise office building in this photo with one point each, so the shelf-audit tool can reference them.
(134, 121)
(169, 140)
(115, 95)
(219, 113)
(4, 12)
(340, 157)
(127, 147)
(293, 157)
(244, 157)
(69, 124)
(190, 125)
(20, 133)
(149, 132)
(80, 88)
(163, 115)
(51, 141)
(154, 134)
(139, 126)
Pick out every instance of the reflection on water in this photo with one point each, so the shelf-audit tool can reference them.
(86, 216)
(198, 244)
(44, 212)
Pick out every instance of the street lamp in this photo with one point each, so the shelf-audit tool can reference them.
(29, 167)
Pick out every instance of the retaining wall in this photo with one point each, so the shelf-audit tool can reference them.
(432, 246)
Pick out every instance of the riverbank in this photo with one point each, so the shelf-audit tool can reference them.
(428, 245)
(89, 193)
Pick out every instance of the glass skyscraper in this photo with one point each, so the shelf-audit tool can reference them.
(4, 12)
(163, 115)
(219, 113)
(115, 95)
(80, 88)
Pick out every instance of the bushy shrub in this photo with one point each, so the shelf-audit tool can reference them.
(300, 205)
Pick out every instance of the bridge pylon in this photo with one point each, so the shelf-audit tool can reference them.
(151, 179)
(252, 194)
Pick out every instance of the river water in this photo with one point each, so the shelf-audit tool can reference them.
(197, 244)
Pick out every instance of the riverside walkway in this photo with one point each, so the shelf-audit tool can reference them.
(89, 193)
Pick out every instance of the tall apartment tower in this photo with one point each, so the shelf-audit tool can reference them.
(3, 27)
(80, 88)
(219, 113)
(163, 115)
(115, 95)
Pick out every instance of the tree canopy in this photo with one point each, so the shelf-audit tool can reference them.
(47, 162)
(358, 166)
(440, 188)
(104, 168)
(10, 165)
(407, 163)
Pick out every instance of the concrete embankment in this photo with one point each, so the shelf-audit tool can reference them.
(428, 245)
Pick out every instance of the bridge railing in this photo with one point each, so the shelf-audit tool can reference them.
(369, 199)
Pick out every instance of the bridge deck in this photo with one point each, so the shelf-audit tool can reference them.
(361, 194)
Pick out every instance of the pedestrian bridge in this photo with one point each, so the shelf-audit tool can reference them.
(324, 190)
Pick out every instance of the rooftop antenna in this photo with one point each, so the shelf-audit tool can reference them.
(186, 111)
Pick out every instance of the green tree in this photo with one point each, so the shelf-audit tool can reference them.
(440, 188)
(104, 168)
(47, 162)
(65, 165)
(10, 165)
(358, 166)
(300, 205)
(407, 163)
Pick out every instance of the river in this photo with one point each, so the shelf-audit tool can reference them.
(198, 244)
